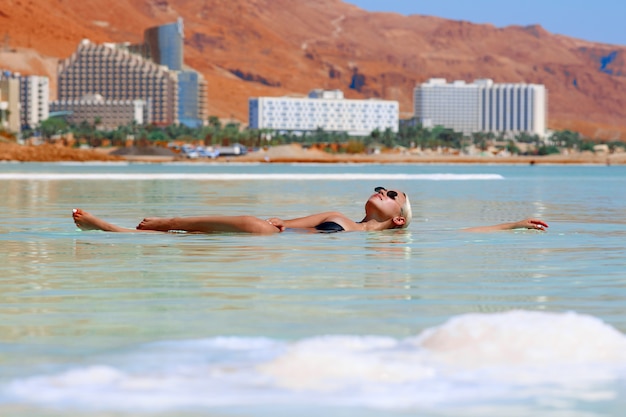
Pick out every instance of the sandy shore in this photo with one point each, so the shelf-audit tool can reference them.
(50, 153)
(295, 154)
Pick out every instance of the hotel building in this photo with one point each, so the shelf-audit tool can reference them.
(118, 75)
(323, 109)
(152, 72)
(165, 45)
(9, 102)
(110, 113)
(34, 100)
(482, 106)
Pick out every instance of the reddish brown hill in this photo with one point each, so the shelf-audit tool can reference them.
(277, 47)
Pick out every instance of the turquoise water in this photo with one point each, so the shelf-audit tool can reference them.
(425, 321)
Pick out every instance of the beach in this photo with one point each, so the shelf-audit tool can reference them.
(51, 153)
(295, 153)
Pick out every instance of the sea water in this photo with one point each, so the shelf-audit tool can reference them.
(425, 321)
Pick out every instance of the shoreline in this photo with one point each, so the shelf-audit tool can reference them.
(11, 152)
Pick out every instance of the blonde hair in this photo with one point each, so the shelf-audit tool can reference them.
(406, 212)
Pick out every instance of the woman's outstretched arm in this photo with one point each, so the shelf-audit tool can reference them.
(307, 222)
(535, 224)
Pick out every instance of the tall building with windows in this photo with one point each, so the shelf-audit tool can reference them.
(192, 98)
(482, 106)
(323, 109)
(165, 45)
(153, 72)
(116, 73)
(34, 99)
(9, 102)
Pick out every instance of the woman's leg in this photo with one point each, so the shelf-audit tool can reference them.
(87, 221)
(208, 224)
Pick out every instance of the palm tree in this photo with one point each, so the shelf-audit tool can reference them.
(214, 121)
(566, 139)
(53, 126)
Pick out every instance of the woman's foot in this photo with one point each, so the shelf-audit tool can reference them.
(160, 224)
(87, 221)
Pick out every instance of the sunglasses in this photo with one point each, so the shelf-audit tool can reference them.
(391, 194)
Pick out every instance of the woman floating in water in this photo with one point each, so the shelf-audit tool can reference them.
(385, 209)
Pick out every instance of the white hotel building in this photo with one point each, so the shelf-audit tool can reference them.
(323, 109)
(34, 100)
(482, 106)
(24, 100)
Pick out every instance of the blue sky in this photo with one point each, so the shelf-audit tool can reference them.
(592, 20)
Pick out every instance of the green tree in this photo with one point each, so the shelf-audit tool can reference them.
(512, 148)
(482, 140)
(524, 137)
(53, 126)
(388, 138)
(548, 150)
(413, 134)
(443, 136)
(566, 139)
(118, 136)
(214, 121)
(586, 145)
(157, 135)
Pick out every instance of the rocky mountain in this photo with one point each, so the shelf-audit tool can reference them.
(280, 47)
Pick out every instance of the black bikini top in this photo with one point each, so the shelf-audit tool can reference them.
(329, 227)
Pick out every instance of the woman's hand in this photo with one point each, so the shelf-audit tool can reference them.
(276, 222)
(535, 224)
